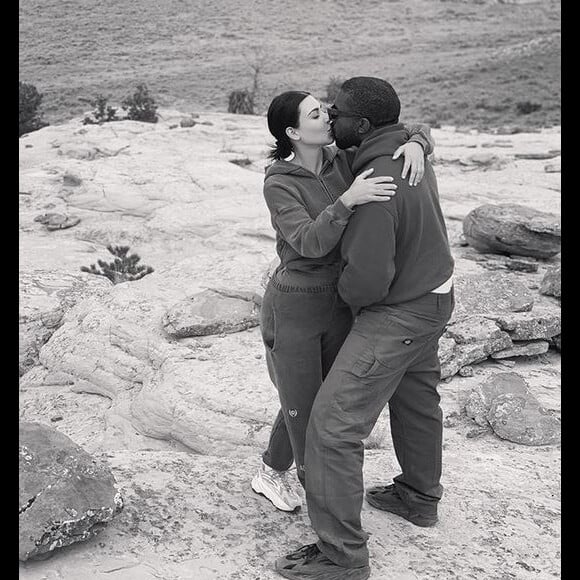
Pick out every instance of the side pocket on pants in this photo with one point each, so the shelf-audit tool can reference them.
(268, 323)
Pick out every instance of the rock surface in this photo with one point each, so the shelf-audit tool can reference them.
(513, 229)
(505, 403)
(521, 419)
(66, 496)
(170, 414)
(552, 282)
(531, 348)
(489, 293)
(212, 312)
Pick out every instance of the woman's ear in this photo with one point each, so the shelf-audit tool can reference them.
(292, 133)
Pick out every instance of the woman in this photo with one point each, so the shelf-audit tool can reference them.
(311, 193)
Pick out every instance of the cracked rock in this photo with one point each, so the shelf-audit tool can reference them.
(505, 404)
(65, 495)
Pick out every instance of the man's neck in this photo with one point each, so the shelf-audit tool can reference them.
(384, 128)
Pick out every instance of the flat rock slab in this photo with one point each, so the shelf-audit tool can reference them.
(57, 221)
(505, 404)
(471, 353)
(513, 229)
(538, 324)
(212, 312)
(552, 282)
(65, 495)
(489, 293)
(531, 348)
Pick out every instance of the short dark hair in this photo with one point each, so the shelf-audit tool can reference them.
(284, 112)
(374, 99)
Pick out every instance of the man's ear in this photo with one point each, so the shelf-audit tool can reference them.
(292, 134)
(364, 126)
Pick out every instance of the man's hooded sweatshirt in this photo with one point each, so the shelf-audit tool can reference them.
(396, 251)
(306, 212)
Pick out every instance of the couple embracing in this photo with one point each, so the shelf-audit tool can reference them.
(352, 316)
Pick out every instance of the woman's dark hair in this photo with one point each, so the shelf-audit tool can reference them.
(283, 112)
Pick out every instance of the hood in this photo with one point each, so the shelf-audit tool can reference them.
(382, 141)
(283, 167)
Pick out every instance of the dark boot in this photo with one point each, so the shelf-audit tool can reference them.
(387, 498)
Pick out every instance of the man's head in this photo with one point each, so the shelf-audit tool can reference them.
(362, 105)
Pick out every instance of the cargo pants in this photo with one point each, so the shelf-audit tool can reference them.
(303, 323)
(389, 357)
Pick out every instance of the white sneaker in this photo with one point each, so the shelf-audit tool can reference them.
(275, 486)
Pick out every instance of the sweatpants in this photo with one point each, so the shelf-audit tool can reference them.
(389, 357)
(303, 323)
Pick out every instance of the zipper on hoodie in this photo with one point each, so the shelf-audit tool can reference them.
(325, 189)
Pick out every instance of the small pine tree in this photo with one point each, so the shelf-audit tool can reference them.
(141, 106)
(124, 268)
(103, 113)
(29, 115)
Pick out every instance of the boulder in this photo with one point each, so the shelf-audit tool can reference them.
(552, 282)
(521, 419)
(505, 404)
(482, 396)
(65, 494)
(212, 312)
(513, 229)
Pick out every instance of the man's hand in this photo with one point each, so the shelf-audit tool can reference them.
(414, 160)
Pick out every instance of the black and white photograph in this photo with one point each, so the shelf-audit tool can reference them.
(289, 283)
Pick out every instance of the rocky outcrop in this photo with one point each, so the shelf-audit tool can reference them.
(505, 404)
(552, 282)
(66, 496)
(513, 229)
(495, 317)
(489, 293)
(45, 298)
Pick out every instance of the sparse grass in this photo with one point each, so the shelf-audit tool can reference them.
(441, 57)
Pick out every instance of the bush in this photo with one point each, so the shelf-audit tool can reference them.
(526, 107)
(332, 88)
(241, 102)
(141, 106)
(103, 113)
(29, 116)
(123, 269)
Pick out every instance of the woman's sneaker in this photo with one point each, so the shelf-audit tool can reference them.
(275, 486)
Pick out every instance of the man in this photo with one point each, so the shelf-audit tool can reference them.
(397, 279)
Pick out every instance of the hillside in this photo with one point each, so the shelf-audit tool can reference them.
(465, 63)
